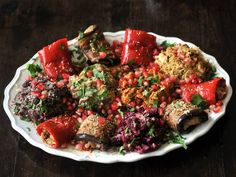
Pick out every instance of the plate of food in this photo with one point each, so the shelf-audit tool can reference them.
(116, 96)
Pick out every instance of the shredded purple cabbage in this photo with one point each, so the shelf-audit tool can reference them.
(140, 132)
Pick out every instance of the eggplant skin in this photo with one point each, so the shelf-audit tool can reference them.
(87, 137)
(199, 114)
(92, 43)
(183, 117)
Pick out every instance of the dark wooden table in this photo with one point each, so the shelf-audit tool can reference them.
(27, 25)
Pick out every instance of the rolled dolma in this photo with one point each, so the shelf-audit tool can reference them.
(94, 133)
(182, 116)
(95, 47)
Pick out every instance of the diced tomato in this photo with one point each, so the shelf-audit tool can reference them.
(37, 94)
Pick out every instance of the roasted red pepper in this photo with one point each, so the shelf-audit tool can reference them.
(207, 90)
(138, 47)
(58, 130)
(55, 59)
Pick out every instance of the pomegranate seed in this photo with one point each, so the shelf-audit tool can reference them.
(101, 120)
(90, 112)
(84, 117)
(114, 106)
(99, 83)
(65, 76)
(179, 91)
(132, 104)
(109, 111)
(117, 99)
(145, 74)
(37, 94)
(154, 87)
(64, 100)
(217, 109)
(40, 86)
(146, 83)
(89, 73)
(43, 96)
(163, 104)
(69, 108)
(161, 122)
(80, 110)
(60, 84)
(219, 103)
(102, 54)
(137, 74)
(161, 111)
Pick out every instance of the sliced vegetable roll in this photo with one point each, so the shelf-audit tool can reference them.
(94, 133)
(58, 130)
(95, 47)
(182, 116)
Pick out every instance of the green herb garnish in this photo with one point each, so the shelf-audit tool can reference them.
(62, 47)
(140, 81)
(176, 138)
(155, 103)
(151, 131)
(198, 101)
(166, 44)
(34, 69)
(81, 35)
(121, 113)
(122, 150)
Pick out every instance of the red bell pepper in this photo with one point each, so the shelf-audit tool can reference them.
(55, 59)
(138, 47)
(58, 130)
(206, 89)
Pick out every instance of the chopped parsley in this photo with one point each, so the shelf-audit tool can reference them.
(176, 138)
(198, 101)
(151, 131)
(62, 47)
(155, 103)
(121, 113)
(140, 81)
(122, 150)
(166, 44)
(81, 35)
(34, 69)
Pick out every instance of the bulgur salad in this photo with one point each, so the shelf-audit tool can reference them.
(129, 96)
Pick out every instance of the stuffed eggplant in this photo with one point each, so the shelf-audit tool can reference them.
(95, 47)
(182, 116)
(94, 133)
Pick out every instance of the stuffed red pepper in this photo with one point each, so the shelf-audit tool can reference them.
(55, 59)
(211, 91)
(138, 47)
(58, 130)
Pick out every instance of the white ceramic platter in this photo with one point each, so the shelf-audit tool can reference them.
(27, 130)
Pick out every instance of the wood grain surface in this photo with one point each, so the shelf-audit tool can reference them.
(27, 25)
